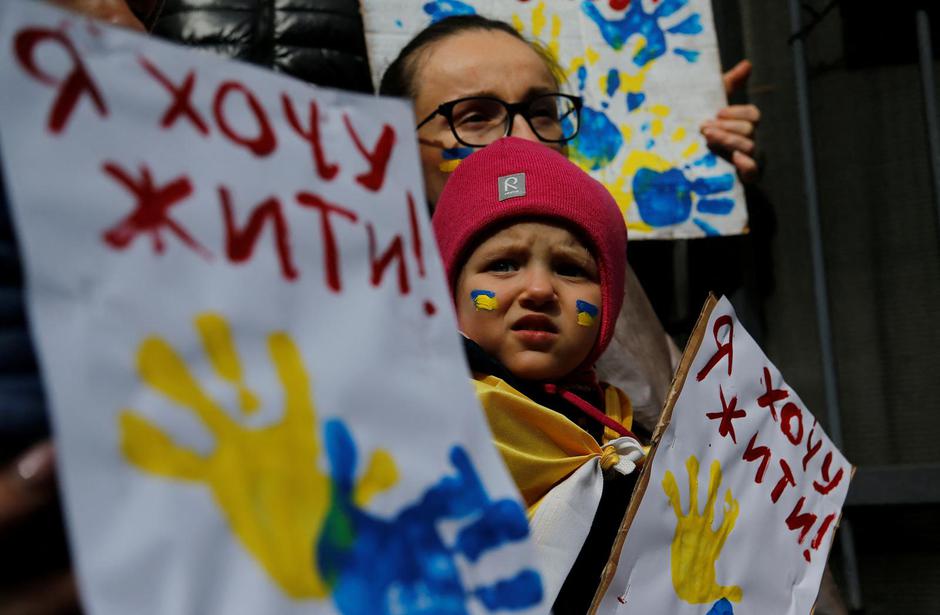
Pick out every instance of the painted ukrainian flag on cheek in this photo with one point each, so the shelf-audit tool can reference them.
(587, 312)
(484, 300)
(452, 157)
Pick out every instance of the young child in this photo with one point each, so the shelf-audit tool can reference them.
(535, 251)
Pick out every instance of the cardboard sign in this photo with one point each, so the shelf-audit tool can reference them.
(258, 394)
(649, 73)
(743, 491)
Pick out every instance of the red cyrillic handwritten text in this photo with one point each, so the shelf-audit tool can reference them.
(71, 87)
(724, 349)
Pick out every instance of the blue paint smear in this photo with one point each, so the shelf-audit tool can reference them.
(613, 81)
(722, 607)
(721, 207)
(582, 77)
(584, 306)
(634, 100)
(486, 293)
(690, 25)
(665, 198)
(507, 595)
(568, 125)
(456, 153)
(668, 7)
(399, 23)
(401, 564)
(442, 9)
(598, 141)
(711, 185)
(710, 230)
(688, 54)
(636, 21)
(709, 160)
(650, 144)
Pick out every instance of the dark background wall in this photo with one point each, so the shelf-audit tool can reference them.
(881, 235)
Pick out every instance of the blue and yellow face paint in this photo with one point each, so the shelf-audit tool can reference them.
(587, 313)
(452, 157)
(484, 300)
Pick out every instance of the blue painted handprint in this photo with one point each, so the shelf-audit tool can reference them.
(636, 21)
(664, 198)
(599, 140)
(401, 564)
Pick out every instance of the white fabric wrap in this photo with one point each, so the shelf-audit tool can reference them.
(563, 518)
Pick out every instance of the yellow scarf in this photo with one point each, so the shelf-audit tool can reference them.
(540, 446)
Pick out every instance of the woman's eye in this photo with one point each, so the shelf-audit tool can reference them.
(545, 114)
(475, 119)
(475, 116)
(502, 266)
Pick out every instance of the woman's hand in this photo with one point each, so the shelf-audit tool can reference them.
(731, 134)
(27, 489)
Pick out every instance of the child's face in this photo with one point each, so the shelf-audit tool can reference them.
(529, 295)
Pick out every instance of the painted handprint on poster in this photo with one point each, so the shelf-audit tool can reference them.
(355, 547)
(265, 481)
(696, 545)
(310, 529)
(649, 73)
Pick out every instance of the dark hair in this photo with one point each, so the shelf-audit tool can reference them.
(398, 79)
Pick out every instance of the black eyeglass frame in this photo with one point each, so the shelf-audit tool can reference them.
(446, 110)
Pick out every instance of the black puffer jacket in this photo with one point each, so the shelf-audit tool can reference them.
(320, 41)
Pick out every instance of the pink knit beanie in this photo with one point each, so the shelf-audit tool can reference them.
(515, 178)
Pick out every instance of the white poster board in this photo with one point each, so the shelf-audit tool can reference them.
(258, 394)
(744, 494)
(649, 73)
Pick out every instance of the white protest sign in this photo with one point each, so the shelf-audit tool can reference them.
(650, 74)
(257, 387)
(744, 492)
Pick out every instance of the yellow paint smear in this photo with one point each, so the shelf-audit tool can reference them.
(627, 131)
(585, 319)
(538, 19)
(576, 63)
(592, 55)
(448, 166)
(660, 110)
(656, 127)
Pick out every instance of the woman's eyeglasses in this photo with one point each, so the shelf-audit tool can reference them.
(477, 121)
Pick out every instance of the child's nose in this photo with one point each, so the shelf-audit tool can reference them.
(539, 288)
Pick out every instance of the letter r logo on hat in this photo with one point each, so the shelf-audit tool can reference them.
(511, 186)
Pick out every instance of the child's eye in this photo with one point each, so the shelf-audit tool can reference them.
(503, 265)
(571, 270)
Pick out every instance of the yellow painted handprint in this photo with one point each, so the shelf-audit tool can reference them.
(265, 480)
(696, 546)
